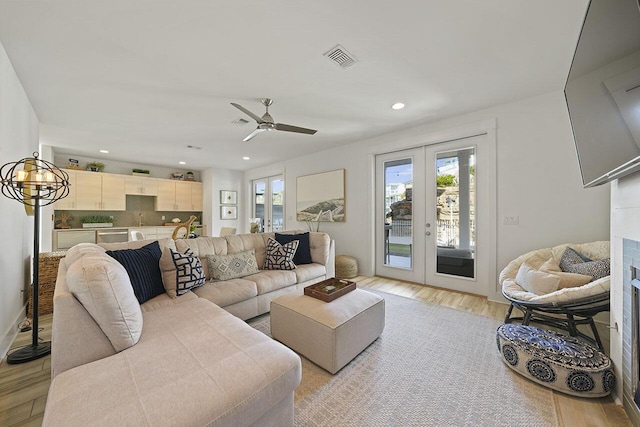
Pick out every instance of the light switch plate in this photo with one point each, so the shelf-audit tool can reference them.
(511, 220)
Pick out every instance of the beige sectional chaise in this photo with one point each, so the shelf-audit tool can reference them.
(195, 361)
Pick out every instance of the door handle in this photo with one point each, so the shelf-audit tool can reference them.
(428, 233)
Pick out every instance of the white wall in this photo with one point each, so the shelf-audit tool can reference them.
(538, 180)
(222, 179)
(18, 139)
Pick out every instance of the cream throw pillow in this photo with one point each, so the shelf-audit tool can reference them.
(102, 286)
(567, 280)
(536, 281)
(233, 266)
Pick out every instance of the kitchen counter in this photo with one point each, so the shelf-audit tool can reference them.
(64, 239)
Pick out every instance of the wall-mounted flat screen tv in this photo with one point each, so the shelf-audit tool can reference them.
(603, 91)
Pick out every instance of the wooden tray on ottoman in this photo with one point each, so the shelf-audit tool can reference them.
(329, 289)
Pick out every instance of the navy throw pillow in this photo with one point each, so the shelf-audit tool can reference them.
(303, 254)
(143, 268)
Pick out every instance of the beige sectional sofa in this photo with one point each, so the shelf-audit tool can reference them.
(187, 361)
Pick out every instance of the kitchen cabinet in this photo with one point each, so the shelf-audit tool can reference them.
(69, 202)
(94, 191)
(141, 186)
(196, 197)
(179, 196)
(88, 191)
(113, 195)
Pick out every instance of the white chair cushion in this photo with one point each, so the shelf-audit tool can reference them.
(567, 280)
(536, 281)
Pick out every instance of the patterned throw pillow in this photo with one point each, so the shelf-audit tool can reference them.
(570, 257)
(181, 272)
(596, 269)
(232, 266)
(280, 257)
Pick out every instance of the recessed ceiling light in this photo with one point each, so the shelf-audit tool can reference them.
(398, 106)
(246, 158)
(182, 163)
(104, 151)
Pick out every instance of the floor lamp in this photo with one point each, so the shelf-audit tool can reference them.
(34, 183)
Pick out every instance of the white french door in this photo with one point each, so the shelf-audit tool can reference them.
(435, 215)
(268, 203)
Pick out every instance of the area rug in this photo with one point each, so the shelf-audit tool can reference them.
(432, 366)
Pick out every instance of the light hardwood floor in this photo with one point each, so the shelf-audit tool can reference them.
(23, 388)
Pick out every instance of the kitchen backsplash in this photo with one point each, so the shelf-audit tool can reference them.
(139, 209)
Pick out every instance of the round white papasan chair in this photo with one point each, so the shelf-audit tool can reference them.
(564, 308)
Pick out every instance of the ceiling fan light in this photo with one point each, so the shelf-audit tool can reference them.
(398, 106)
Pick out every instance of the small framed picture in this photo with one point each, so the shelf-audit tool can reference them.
(228, 197)
(228, 212)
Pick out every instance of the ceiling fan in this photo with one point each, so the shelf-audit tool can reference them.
(266, 122)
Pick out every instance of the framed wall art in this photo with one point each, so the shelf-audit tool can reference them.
(228, 197)
(320, 197)
(228, 212)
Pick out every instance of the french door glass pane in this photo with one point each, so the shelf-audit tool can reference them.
(455, 208)
(398, 213)
(258, 207)
(277, 205)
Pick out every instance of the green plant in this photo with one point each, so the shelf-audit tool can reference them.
(95, 165)
(445, 180)
(94, 219)
(141, 171)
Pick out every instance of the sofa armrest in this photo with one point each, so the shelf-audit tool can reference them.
(331, 260)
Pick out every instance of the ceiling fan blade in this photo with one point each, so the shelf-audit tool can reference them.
(254, 133)
(248, 113)
(289, 128)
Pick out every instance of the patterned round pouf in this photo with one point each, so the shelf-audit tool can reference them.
(559, 362)
(346, 267)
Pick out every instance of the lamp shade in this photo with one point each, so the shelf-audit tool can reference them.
(31, 179)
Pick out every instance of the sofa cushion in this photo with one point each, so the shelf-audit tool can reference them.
(303, 254)
(103, 287)
(227, 292)
(536, 281)
(143, 267)
(164, 300)
(195, 365)
(309, 271)
(232, 266)
(271, 280)
(181, 272)
(203, 246)
(280, 257)
(320, 245)
(244, 242)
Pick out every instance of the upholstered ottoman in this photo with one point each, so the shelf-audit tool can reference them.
(559, 362)
(330, 334)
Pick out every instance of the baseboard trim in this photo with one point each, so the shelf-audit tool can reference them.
(10, 335)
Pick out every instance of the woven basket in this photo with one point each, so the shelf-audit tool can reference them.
(346, 267)
(48, 263)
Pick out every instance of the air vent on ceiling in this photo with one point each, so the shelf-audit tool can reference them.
(340, 56)
(194, 147)
(240, 121)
